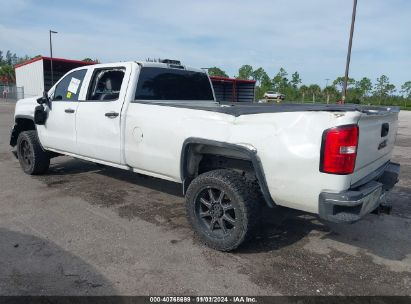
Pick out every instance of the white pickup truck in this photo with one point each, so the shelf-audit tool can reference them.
(162, 120)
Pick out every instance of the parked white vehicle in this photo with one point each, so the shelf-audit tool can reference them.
(273, 95)
(162, 120)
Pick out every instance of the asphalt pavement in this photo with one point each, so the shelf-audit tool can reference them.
(82, 229)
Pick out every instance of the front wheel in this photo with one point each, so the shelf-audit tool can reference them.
(221, 209)
(32, 157)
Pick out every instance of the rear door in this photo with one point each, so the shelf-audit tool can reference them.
(154, 134)
(99, 115)
(59, 131)
(377, 134)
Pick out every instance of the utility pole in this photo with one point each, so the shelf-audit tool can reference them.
(347, 66)
(326, 81)
(51, 57)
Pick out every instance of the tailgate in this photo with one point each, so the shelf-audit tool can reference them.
(377, 134)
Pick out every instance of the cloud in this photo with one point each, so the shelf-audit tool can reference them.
(308, 36)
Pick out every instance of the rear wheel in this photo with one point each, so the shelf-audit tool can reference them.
(32, 157)
(222, 209)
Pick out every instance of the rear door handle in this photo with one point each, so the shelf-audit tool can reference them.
(69, 111)
(111, 114)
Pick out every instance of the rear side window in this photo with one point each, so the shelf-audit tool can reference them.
(106, 84)
(68, 89)
(172, 84)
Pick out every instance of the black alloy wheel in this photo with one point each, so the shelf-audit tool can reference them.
(222, 208)
(216, 212)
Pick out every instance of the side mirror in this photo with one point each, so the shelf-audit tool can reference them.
(44, 99)
(40, 115)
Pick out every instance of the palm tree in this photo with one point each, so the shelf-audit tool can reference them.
(7, 71)
(330, 90)
(314, 89)
(303, 90)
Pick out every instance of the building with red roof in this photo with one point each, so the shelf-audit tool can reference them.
(34, 75)
(233, 90)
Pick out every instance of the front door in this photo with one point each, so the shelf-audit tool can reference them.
(98, 117)
(59, 131)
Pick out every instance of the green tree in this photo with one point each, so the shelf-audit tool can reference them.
(314, 89)
(245, 72)
(339, 83)
(8, 57)
(280, 81)
(383, 88)
(14, 59)
(329, 92)
(295, 80)
(364, 86)
(380, 88)
(263, 82)
(354, 95)
(266, 81)
(258, 74)
(406, 90)
(215, 71)
(303, 90)
(391, 89)
(7, 71)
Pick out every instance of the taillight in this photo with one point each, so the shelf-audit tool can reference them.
(339, 150)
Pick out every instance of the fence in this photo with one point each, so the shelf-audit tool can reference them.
(11, 92)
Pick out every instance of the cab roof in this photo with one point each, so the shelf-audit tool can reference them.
(149, 64)
(167, 65)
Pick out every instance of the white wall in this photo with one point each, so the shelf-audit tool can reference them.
(30, 76)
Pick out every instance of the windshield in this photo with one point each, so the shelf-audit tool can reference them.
(172, 84)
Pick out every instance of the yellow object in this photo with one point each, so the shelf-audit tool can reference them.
(68, 95)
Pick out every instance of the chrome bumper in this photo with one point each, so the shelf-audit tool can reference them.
(353, 204)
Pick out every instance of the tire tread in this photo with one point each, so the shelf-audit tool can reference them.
(238, 184)
(41, 158)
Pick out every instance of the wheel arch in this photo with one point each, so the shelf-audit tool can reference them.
(194, 149)
(21, 123)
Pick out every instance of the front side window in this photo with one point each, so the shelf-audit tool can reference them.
(68, 89)
(106, 84)
(172, 84)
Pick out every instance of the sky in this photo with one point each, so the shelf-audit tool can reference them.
(310, 37)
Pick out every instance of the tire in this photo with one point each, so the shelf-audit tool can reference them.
(222, 209)
(33, 158)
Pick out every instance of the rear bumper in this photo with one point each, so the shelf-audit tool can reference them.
(353, 204)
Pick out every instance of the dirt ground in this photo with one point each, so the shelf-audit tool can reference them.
(86, 230)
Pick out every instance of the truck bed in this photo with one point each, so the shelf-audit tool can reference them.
(238, 109)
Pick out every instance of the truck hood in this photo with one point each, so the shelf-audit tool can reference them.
(25, 107)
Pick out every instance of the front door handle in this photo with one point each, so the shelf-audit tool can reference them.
(111, 114)
(69, 111)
